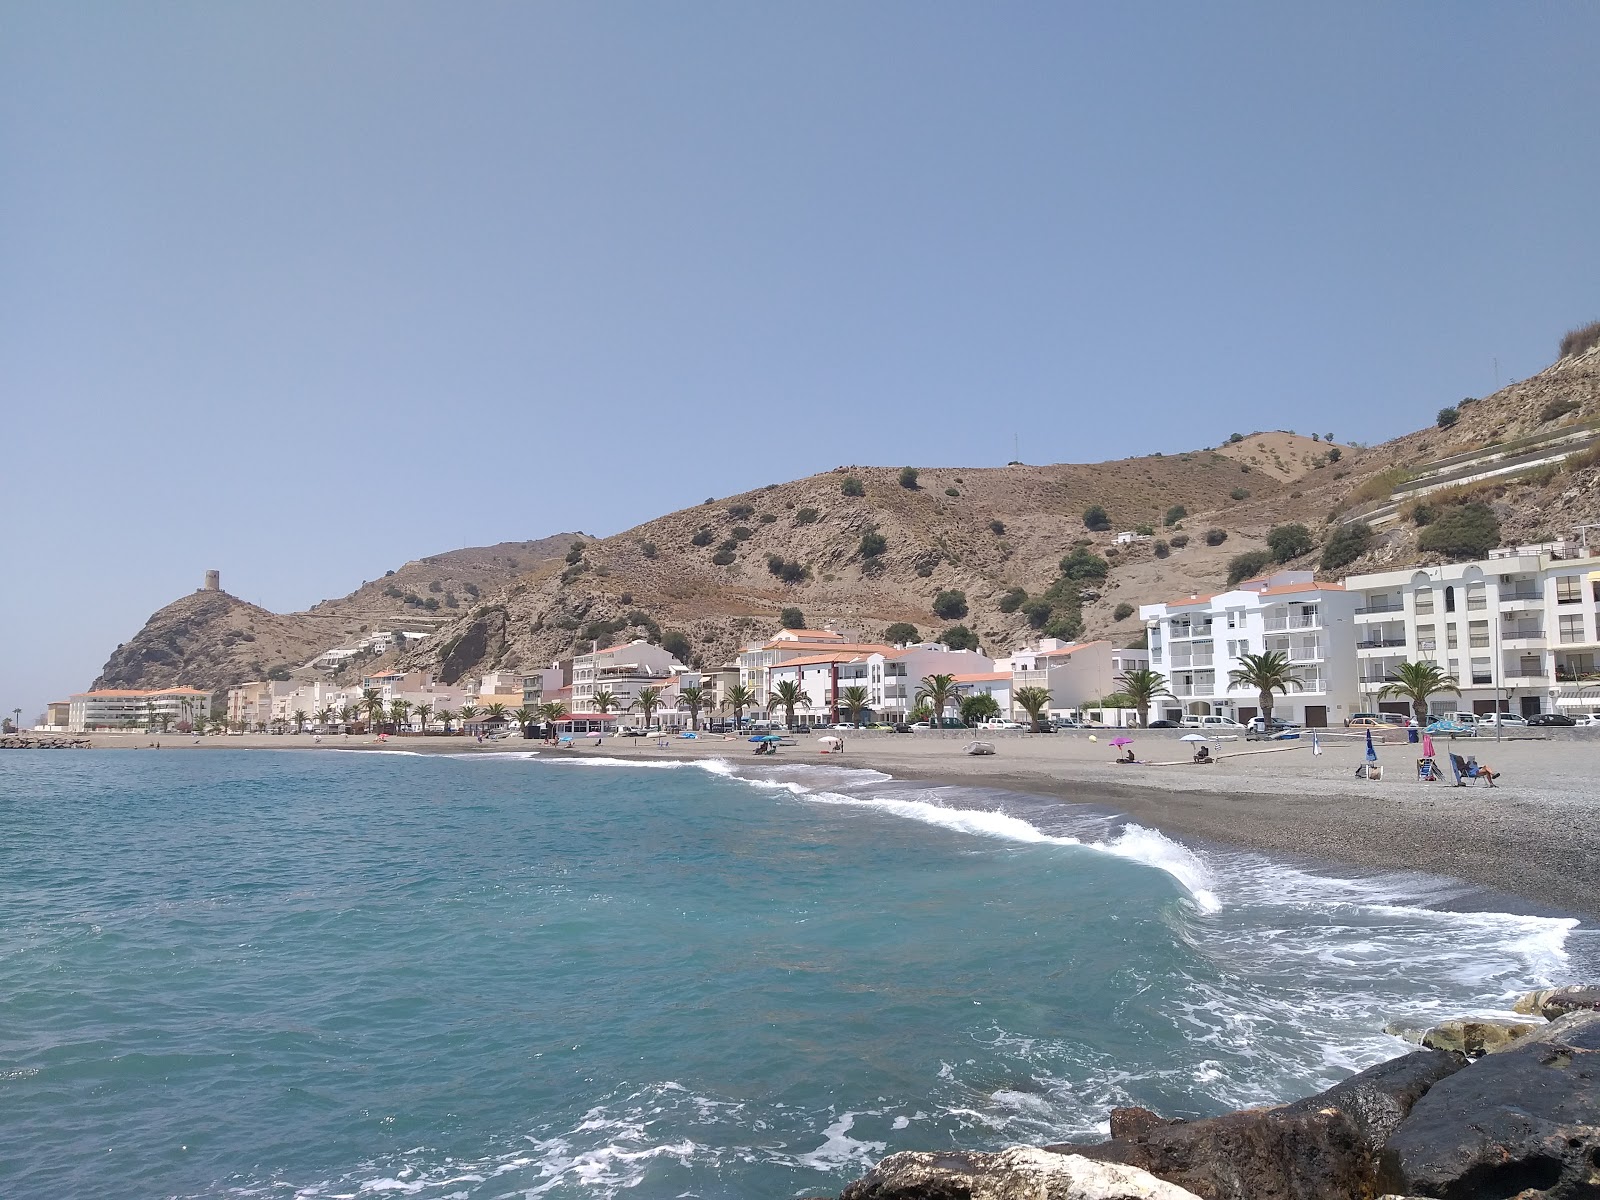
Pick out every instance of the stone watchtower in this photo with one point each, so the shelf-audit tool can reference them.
(213, 582)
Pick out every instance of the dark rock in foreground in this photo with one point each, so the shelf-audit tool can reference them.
(1020, 1173)
(1322, 1148)
(1523, 1121)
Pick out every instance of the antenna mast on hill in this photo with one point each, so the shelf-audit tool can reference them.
(1016, 446)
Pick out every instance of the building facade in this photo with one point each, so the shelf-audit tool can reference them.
(137, 708)
(1517, 632)
(1197, 642)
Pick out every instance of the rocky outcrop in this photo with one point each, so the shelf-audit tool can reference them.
(1551, 1003)
(1472, 1036)
(1018, 1173)
(1322, 1148)
(1524, 1122)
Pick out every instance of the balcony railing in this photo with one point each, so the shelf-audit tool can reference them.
(1381, 606)
(1520, 597)
(1194, 689)
(1380, 643)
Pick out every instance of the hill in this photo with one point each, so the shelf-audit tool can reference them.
(983, 549)
(214, 640)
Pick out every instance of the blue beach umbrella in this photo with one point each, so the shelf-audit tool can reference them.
(1372, 755)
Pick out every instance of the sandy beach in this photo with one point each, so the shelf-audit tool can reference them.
(1535, 836)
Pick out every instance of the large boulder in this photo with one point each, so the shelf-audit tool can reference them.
(1551, 1003)
(1474, 1037)
(1524, 1122)
(1322, 1148)
(1018, 1173)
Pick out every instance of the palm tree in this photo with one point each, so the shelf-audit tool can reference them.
(372, 704)
(323, 716)
(604, 702)
(424, 714)
(186, 707)
(854, 701)
(348, 713)
(1267, 673)
(1416, 681)
(551, 712)
(695, 699)
(445, 715)
(525, 716)
(299, 720)
(787, 695)
(648, 700)
(495, 712)
(939, 692)
(739, 698)
(1141, 685)
(398, 710)
(978, 708)
(468, 711)
(1033, 701)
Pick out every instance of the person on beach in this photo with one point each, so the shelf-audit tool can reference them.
(1203, 755)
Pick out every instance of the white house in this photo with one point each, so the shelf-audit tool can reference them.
(624, 671)
(1197, 642)
(1518, 631)
(1074, 673)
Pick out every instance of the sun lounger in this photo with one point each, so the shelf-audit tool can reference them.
(1468, 771)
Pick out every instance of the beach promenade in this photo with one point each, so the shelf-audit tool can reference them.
(1535, 836)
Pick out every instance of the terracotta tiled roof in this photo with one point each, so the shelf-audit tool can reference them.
(1284, 589)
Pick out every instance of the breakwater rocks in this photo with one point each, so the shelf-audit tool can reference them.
(1522, 1121)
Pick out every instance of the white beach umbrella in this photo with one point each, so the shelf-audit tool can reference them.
(1193, 737)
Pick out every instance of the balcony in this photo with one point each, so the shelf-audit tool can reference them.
(1185, 690)
(1516, 600)
(1377, 607)
(1387, 643)
(1524, 640)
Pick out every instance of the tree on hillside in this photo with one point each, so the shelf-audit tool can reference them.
(852, 487)
(951, 605)
(938, 692)
(1174, 514)
(1141, 685)
(1289, 541)
(901, 633)
(959, 637)
(1267, 673)
(1348, 543)
(788, 696)
(1096, 518)
(1462, 532)
(1417, 682)
(1247, 565)
(854, 700)
(1448, 417)
(1033, 701)
(792, 618)
(908, 478)
(978, 708)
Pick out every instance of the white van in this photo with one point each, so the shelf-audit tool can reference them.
(1211, 722)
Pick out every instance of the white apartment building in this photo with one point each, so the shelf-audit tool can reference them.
(250, 705)
(1074, 673)
(137, 708)
(1517, 631)
(1197, 642)
(624, 671)
(890, 676)
(539, 687)
(789, 644)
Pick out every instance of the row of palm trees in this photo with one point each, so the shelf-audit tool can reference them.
(1271, 672)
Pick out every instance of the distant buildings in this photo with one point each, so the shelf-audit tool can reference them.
(136, 708)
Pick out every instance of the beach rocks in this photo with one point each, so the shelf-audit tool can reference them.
(1322, 1148)
(1551, 1003)
(1524, 1122)
(1018, 1173)
(1475, 1037)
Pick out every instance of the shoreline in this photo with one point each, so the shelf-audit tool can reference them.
(1534, 839)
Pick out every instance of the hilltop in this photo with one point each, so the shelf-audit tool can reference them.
(215, 640)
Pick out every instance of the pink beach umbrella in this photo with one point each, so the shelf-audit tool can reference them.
(1122, 741)
(1427, 745)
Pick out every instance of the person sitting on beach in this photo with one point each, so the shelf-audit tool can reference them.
(1203, 755)
(1127, 758)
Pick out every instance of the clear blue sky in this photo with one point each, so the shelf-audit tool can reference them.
(303, 291)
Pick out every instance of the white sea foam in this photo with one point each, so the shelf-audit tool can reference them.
(839, 1149)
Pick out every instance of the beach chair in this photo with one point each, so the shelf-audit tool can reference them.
(1468, 771)
(1428, 771)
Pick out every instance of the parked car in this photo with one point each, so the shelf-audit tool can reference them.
(1545, 720)
(1370, 720)
(1259, 725)
(1002, 723)
(1588, 720)
(1212, 722)
(1164, 725)
(1503, 720)
(845, 725)
(902, 727)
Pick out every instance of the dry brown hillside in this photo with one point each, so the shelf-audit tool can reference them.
(985, 531)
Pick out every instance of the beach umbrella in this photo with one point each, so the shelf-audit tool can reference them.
(1122, 741)
(1372, 755)
(1427, 745)
(770, 737)
(1193, 737)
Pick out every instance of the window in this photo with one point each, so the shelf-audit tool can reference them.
(1571, 627)
(1478, 635)
(1476, 601)
(1424, 602)
(1568, 589)
(1480, 671)
(1425, 637)
(1451, 638)
(1449, 599)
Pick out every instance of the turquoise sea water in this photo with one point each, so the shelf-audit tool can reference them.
(351, 974)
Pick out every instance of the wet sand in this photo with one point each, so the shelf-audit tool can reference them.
(1536, 835)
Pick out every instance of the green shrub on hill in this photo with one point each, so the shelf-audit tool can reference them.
(1247, 565)
(1348, 543)
(1465, 531)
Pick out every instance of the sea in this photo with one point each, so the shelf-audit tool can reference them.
(366, 974)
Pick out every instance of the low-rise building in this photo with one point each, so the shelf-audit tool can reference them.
(1076, 674)
(137, 708)
(624, 671)
(1197, 642)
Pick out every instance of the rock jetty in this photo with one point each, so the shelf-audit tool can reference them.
(1491, 1114)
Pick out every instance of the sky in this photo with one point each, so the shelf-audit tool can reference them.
(303, 291)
